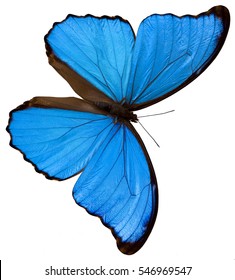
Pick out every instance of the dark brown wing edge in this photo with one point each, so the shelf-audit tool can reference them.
(131, 248)
(66, 103)
(221, 12)
(80, 85)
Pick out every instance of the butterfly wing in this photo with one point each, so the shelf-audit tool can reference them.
(172, 51)
(119, 186)
(58, 135)
(64, 136)
(102, 61)
(93, 55)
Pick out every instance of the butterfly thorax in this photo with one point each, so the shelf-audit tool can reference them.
(120, 112)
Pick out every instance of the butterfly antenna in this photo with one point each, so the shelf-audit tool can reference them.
(148, 133)
(156, 114)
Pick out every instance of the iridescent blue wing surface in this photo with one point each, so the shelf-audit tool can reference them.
(172, 51)
(96, 52)
(117, 184)
(58, 141)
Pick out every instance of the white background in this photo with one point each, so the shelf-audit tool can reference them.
(40, 223)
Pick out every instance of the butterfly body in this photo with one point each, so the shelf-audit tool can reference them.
(119, 111)
(115, 73)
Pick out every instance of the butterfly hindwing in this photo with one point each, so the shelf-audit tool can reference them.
(58, 142)
(171, 51)
(119, 186)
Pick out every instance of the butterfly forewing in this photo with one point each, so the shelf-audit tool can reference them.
(98, 49)
(172, 51)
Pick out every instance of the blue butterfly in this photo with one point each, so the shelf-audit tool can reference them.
(116, 74)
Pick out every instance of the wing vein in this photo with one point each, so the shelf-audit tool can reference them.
(71, 151)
